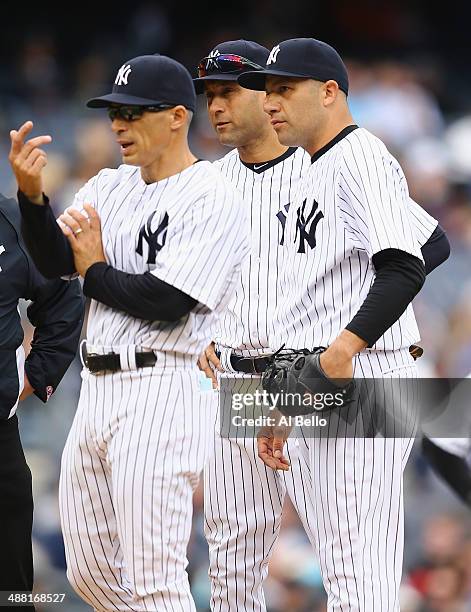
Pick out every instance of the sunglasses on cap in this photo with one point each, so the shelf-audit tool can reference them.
(226, 64)
(130, 113)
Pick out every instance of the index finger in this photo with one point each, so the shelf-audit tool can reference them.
(213, 358)
(206, 368)
(18, 136)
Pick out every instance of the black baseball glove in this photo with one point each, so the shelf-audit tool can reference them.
(298, 385)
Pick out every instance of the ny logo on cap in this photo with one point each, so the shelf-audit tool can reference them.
(210, 59)
(123, 74)
(273, 55)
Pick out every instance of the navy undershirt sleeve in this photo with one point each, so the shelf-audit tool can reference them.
(436, 250)
(47, 245)
(399, 277)
(143, 296)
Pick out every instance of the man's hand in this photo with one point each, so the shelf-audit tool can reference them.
(209, 362)
(84, 236)
(270, 444)
(27, 389)
(27, 161)
(336, 360)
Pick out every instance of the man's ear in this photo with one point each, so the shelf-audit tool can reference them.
(330, 92)
(180, 117)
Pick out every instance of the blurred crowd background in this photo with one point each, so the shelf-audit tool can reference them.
(410, 85)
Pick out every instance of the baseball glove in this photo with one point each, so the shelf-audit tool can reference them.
(298, 385)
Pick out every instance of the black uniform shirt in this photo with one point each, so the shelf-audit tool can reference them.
(56, 312)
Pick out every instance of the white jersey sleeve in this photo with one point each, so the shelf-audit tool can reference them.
(422, 222)
(205, 245)
(374, 199)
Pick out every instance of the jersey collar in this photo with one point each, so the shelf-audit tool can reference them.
(260, 167)
(345, 132)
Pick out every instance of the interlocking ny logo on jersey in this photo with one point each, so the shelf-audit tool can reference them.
(281, 216)
(273, 55)
(306, 226)
(123, 74)
(155, 240)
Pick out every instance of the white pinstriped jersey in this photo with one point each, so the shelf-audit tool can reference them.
(266, 191)
(188, 229)
(352, 203)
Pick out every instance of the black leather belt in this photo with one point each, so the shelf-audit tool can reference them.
(248, 365)
(111, 362)
(258, 365)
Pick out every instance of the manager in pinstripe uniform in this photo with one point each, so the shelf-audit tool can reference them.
(160, 251)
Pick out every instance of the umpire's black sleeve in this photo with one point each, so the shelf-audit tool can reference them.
(47, 245)
(57, 314)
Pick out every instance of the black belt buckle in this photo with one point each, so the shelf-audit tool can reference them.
(238, 363)
(262, 362)
(249, 365)
(96, 362)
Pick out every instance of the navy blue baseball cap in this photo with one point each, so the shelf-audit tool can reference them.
(228, 60)
(150, 80)
(305, 58)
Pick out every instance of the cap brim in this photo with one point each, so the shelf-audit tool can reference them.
(115, 98)
(255, 79)
(199, 83)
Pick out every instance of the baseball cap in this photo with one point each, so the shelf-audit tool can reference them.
(150, 80)
(219, 67)
(300, 57)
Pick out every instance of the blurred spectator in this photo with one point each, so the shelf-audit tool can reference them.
(426, 165)
(40, 76)
(444, 590)
(457, 138)
(388, 100)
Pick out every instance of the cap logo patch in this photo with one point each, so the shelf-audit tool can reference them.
(123, 74)
(273, 55)
(211, 57)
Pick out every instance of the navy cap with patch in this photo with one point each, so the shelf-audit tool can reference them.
(303, 58)
(150, 80)
(226, 62)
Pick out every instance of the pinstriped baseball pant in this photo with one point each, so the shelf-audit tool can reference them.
(243, 501)
(129, 468)
(358, 502)
(351, 507)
